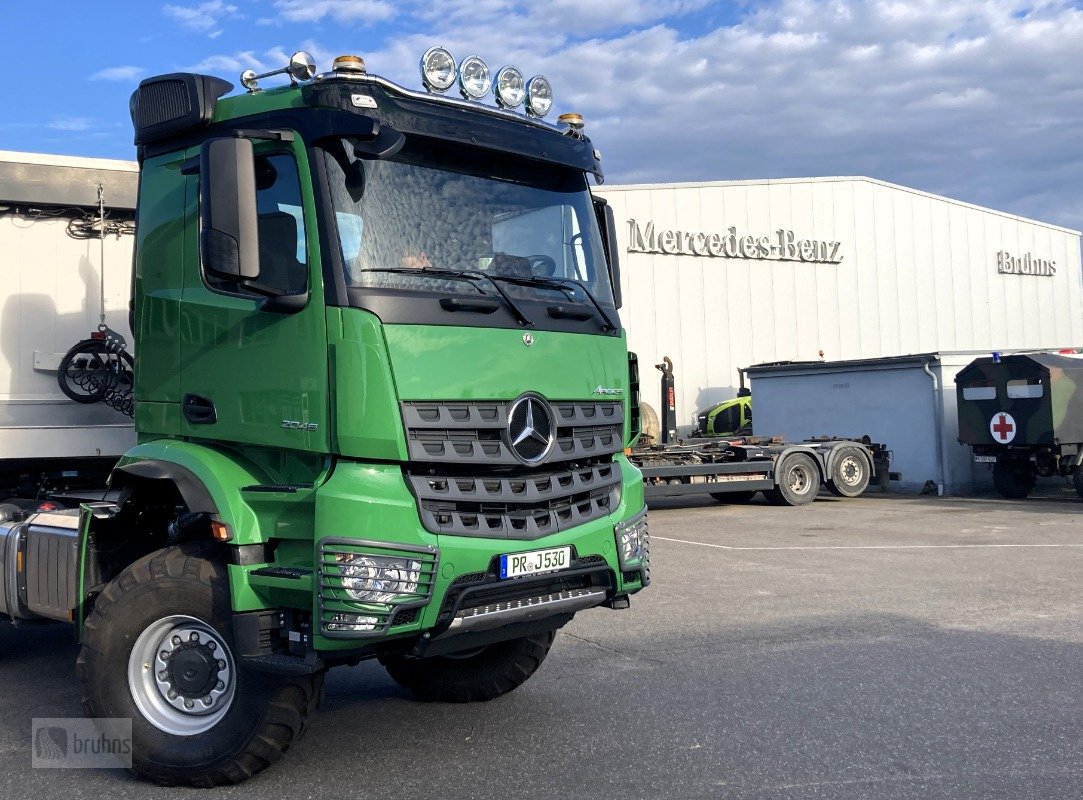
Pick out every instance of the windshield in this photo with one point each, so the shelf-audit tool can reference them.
(404, 223)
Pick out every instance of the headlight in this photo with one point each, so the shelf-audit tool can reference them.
(438, 69)
(539, 96)
(377, 579)
(474, 78)
(633, 542)
(510, 87)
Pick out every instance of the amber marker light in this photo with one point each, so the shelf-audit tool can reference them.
(220, 531)
(349, 64)
(573, 121)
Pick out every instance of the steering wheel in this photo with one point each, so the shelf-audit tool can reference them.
(542, 266)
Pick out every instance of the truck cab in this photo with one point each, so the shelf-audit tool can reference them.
(382, 401)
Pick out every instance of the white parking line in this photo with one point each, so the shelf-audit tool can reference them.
(863, 546)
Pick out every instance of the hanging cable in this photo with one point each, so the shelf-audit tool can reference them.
(101, 276)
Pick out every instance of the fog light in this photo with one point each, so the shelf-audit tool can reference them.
(438, 71)
(510, 87)
(539, 96)
(352, 622)
(633, 542)
(474, 78)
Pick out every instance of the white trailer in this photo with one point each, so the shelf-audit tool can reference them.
(53, 261)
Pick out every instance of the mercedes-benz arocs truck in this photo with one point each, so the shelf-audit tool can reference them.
(382, 398)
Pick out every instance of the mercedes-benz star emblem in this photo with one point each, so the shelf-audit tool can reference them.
(531, 429)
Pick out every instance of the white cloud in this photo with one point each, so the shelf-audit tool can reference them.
(342, 11)
(202, 18)
(71, 124)
(975, 99)
(126, 74)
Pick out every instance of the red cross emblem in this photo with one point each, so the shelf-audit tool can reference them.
(1002, 427)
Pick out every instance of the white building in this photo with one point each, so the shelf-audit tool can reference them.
(720, 276)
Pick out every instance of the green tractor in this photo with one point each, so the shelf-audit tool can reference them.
(728, 418)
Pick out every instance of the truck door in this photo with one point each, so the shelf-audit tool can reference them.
(250, 375)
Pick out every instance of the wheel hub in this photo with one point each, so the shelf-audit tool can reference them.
(192, 670)
(181, 675)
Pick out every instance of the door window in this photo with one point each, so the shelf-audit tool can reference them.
(283, 249)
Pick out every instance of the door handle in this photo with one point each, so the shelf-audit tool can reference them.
(199, 410)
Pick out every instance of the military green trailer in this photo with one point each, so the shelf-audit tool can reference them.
(1024, 415)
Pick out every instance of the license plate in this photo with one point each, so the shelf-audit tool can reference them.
(985, 459)
(514, 565)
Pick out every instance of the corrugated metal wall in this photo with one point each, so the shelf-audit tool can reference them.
(918, 273)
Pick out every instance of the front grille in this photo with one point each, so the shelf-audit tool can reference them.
(525, 505)
(473, 433)
(468, 482)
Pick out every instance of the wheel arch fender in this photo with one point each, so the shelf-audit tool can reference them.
(208, 480)
(812, 452)
(834, 453)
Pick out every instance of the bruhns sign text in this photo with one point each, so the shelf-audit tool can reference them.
(783, 245)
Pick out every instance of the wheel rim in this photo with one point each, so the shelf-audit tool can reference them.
(850, 471)
(181, 675)
(800, 479)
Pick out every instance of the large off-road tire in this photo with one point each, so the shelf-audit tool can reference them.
(797, 481)
(733, 497)
(850, 473)
(475, 675)
(1014, 479)
(1077, 481)
(164, 625)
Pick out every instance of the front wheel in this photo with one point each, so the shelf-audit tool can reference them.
(796, 483)
(158, 649)
(732, 497)
(481, 674)
(1077, 481)
(1014, 480)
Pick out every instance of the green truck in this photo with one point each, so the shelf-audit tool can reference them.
(382, 401)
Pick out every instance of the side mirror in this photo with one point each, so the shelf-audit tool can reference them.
(608, 226)
(229, 235)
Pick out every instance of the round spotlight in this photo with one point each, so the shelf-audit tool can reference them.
(474, 78)
(510, 87)
(539, 96)
(437, 69)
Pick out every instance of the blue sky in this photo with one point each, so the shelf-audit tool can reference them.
(976, 99)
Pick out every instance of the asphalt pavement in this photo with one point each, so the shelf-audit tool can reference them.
(883, 647)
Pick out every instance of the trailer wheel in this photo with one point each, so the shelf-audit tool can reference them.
(796, 482)
(1077, 481)
(480, 674)
(733, 497)
(1013, 479)
(849, 474)
(158, 649)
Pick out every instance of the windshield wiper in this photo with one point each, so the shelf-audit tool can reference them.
(463, 274)
(565, 284)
